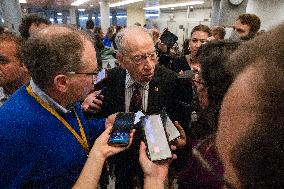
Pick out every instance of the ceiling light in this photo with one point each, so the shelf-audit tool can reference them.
(152, 15)
(22, 1)
(172, 8)
(79, 2)
(59, 13)
(81, 10)
(121, 3)
(91, 5)
(174, 5)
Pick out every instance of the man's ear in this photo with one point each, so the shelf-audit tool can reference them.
(61, 83)
(121, 60)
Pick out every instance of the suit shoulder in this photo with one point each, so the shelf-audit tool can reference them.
(162, 71)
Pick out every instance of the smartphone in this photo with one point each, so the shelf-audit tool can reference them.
(171, 130)
(155, 138)
(101, 80)
(187, 74)
(122, 126)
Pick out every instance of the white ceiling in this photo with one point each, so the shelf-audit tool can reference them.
(67, 3)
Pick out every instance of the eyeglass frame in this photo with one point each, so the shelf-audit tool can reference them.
(152, 56)
(205, 164)
(93, 74)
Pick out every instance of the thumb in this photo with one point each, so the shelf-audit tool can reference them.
(142, 151)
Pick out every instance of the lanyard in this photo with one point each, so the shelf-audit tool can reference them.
(81, 139)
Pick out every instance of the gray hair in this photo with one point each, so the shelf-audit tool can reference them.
(53, 51)
(121, 37)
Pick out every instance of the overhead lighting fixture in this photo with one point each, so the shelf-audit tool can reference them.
(152, 15)
(81, 10)
(79, 2)
(174, 5)
(121, 3)
(22, 1)
(172, 8)
(91, 5)
(59, 14)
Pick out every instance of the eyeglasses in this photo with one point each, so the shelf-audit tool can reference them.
(139, 59)
(93, 74)
(196, 151)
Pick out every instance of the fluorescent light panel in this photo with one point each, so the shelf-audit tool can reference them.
(79, 2)
(174, 5)
(22, 1)
(121, 3)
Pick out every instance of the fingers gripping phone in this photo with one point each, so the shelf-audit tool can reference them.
(155, 138)
(121, 129)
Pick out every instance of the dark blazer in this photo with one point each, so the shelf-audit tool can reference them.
(163, 92)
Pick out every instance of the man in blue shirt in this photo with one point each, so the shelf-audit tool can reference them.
(45, 140)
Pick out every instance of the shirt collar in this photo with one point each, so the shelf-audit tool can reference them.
(3, 96)
(130, 81)
(47, 98)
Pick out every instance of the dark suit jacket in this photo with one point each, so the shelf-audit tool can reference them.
(164, 91)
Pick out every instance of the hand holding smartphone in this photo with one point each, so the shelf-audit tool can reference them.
(155, 138)
(122, 126)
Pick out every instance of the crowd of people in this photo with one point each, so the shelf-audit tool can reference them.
(223, 95)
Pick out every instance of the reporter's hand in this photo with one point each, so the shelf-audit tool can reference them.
(180, 141)
(101, 148)
(154, 172)
(92, 103)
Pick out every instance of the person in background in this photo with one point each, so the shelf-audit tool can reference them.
(13, 73)
(212, 82)
(246, 26)
(218, 33)
(107, 38)
(31, 24)
(118, 28)
(199, 35)
(45, 141)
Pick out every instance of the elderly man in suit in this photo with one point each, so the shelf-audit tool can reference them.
(139, 75)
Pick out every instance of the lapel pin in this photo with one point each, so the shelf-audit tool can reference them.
(156, 89)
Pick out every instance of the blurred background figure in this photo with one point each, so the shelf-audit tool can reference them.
(218, 33)
(211, 82)
(31, 24)
(245, 27)
(13, 74)
(107, 40)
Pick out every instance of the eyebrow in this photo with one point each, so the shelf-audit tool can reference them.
(3, 58)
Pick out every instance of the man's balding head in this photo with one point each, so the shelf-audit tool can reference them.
(53, 50)
(250, 138)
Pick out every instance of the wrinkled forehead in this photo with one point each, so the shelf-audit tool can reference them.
(137, 40)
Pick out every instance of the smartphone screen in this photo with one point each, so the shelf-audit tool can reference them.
(121, 129)
(155, 138)
(171, 130)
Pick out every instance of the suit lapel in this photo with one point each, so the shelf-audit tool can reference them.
(154, 98)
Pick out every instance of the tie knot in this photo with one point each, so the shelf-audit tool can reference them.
(136, 86)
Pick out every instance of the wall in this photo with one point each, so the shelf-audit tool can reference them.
(270, 12)
(188, 19)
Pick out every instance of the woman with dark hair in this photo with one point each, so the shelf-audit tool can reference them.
(211, 82)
